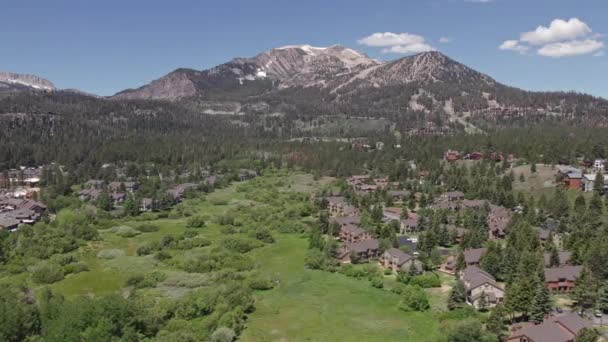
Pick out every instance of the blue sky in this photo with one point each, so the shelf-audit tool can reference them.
(106, 46)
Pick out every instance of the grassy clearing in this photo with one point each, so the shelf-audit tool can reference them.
(319, 306)
(534, 183)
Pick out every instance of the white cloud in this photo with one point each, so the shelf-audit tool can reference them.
(561, 39)
(402, 43)
(513, 45)
(558, 30)
(571, 48)
(411, 48)
(445, 40)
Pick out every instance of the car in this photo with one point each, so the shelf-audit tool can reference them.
(559, 310)
(598, 313)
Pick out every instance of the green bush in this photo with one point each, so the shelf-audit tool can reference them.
(413, 298)
(110, 253)
(261, 283)
(377, 282)
(263, 235)
(162, 256)
(125, 231)
(196, 221)
(239, 244)
(140, 281)
(47, 273)
(76, 267)
(148, 248)
(147, 228)
(426, 280)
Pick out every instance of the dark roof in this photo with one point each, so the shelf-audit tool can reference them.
(363, 246)
(564, 257)
(455, 194)
(475, 277)
(8, 222)
(336, 200)
(558, 329)
(401, 256)
(564, 272)
(353, 229)
(398, 193)
(473, 203)
(404, 241)
(343, 220)
(472, 256)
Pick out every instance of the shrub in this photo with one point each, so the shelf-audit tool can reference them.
(162, 256)
(47, 273)
(125, 231)
(194, 242)
(147, 228)
(239, 244)
(223, 334)
(196, 221)
(140, 281)
(76, 267)
(377, 282)
(225, 219)
(110, 253)
(426, 280)
(148, 248)
(263, 234)
(413, 298)
(261, 283)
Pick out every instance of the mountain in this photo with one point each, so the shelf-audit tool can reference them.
(303, 80)
(280, 68)
(13, 82)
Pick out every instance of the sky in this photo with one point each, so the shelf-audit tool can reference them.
(106, 46)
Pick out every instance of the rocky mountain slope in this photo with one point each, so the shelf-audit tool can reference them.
(303, 80)
(14, 81)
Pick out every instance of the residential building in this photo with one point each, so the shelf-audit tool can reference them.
(479, 284)
(599, 165)
(364, 250)
(554, 329)
(589, 181)
(398, 261)
(472, 257)
(564, 258)
(351, 233)
(562, 279)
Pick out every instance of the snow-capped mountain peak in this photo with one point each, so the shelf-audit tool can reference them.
(25, 80)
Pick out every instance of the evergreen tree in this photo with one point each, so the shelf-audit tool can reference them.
(587, 335)
(541, 305)
(533, 168)
(482, 304)
(602, 297)
(598, 184)
(461, 263)
(497, 323)
(585, 292)
(457, 296)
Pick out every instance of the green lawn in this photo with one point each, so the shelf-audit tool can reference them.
(311, 305)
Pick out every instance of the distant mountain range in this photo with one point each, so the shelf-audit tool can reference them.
(307, 81)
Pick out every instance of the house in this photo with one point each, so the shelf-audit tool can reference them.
(8, 223)
(479, 284)
(95, 184)
(392, 214)
(118, 197)
(474, 156)
(451, 156)
(398, 195)
(247, 174)
(177, 192)
(338, 206)
(599, 165)
(147, 204)
(498, 219)
(409, 225)
(120, 186)
(457, 232)
(398, 261)
(364, 250)
(410, 243)
(562, 279)
(352, 233)
(473, 204)
(589, 181)
(345, 220)
(472, 257)
(89, 194)
(453, 196)
(564, 258)
(554, 329)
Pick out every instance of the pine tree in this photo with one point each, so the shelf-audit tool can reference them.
(598, 184)
(541, 305)
(533, 168)
(602, 297)
(587, 335)
(497, 323)
(457, 296)
(461, 263)
(585, 291)
(554, 260)
(482, 304)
